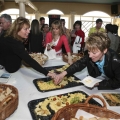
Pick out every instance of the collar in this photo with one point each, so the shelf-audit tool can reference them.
(101, 62)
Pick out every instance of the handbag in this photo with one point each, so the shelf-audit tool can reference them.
(50, 53)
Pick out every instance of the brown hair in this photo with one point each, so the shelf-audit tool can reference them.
(98, 41)
(57, 24)
(16, 27)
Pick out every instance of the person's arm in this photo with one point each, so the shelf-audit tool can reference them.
(19, 50)
(48, 38)
(75, 67)
(69, 58)
(58, 78)
(67, 47)
(109, 84)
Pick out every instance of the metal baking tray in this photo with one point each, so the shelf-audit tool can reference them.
(69, 85)
(32, 105)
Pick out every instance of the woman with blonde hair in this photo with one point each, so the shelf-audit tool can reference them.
(100, 60)
(56, 38)
(12, 50)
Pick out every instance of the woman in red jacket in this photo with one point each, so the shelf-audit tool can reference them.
(78, 32)
(56, 38)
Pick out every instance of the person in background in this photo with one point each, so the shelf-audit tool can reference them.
(67, 33)
(112, 34)
(41, 22)
(97, 28)
(45, 30)
(35, 38)
(6, 22)
(78, 32)
(12, 50)
(100, 60)
(56, 38)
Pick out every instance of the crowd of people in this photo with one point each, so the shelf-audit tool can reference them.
(20, 38)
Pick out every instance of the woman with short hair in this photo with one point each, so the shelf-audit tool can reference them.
(100, 60)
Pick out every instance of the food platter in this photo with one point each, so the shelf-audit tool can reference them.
(75, 56)
(46, 84)
(34, 103)
(38, 57)
(113, 99)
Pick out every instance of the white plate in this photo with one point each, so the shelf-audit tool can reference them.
(90, 81)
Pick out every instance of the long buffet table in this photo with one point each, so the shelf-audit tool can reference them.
(23, 81)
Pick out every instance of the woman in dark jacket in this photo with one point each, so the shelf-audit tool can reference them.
(99, 60)
(35, 38)
(12, 50)
(112, 34)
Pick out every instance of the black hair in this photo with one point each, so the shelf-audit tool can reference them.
(35, 26)
(115, 29)
(62, 20)
(99, 20)
(109, 28)
(43, 26)
(41, 18)
(112, 28)
(77, 22)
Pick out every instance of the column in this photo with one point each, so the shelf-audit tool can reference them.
(72, 19)
(37, 15)
(21, 7)
(117, 22)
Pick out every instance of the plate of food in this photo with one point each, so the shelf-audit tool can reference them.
(57, 69)
(39, 57)
(113, 99)
(47, 84)
(45, 108)
(75, 56)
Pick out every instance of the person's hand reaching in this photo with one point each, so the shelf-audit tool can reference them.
(52, 75)
(70, 60)
(58, 78)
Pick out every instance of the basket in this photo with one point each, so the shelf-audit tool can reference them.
(7, 110)
(69, 111)
(76, 57)
(39, 57)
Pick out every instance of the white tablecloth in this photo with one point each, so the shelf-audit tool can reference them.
(23, 81)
